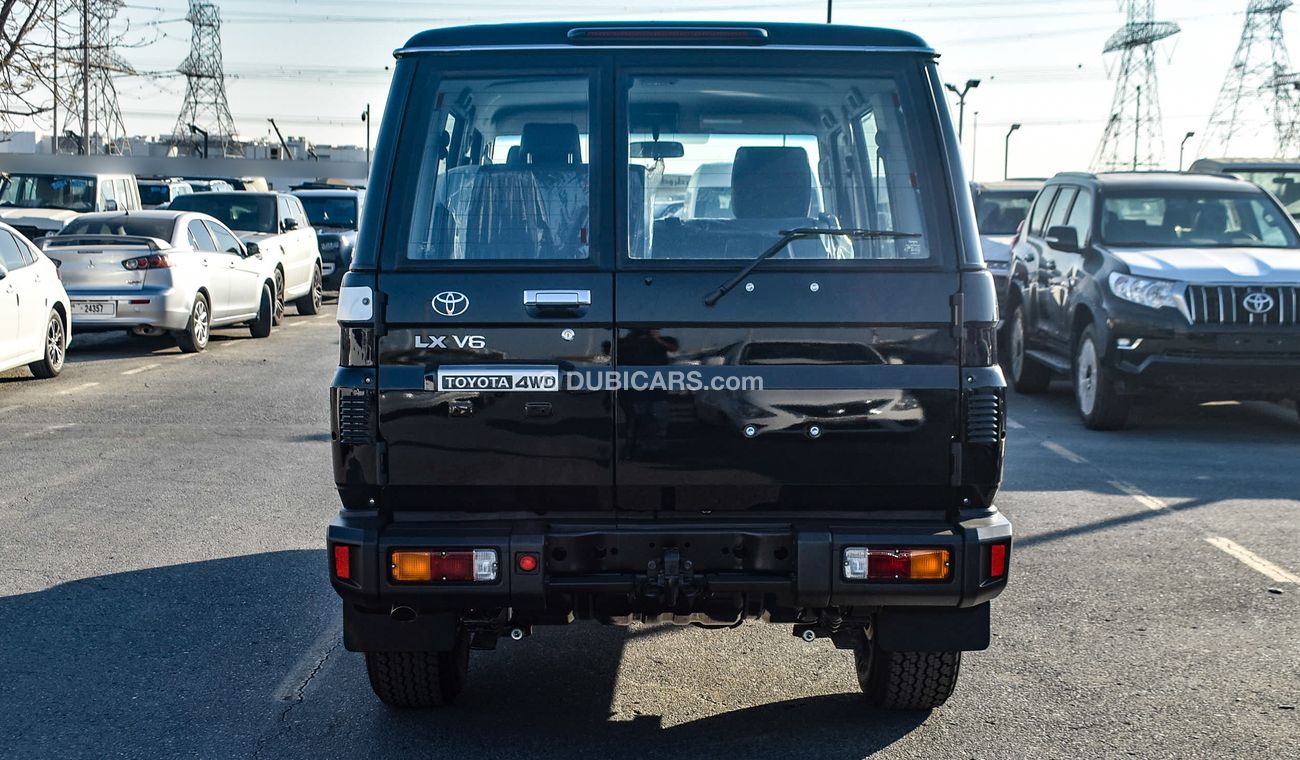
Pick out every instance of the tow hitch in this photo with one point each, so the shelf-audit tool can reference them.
(667, 577)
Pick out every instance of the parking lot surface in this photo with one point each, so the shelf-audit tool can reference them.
(163, 593)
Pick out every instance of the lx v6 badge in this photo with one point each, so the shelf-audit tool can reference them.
(475, 342)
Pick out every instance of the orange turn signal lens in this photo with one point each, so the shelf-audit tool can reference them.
(930, 564)
(412, 566)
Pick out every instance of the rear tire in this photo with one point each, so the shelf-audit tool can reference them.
(1027, 375)
(1100, 404)
(261, 327)
(195, 336)
(905, 680)
(310, 303)
(419, 679)
(56, 349)
(279, 297)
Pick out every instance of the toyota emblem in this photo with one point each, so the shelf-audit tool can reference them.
(449, 303)
(1258, 302)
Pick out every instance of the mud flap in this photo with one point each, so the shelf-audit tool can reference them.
(365, 631)
(921, 629)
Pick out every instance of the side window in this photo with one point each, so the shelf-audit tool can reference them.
(125, 197)
(1081, 216)
(226, 242)
(1041, 208)
(199, 237)
(25, 249)
(284, 212)
(109, 193)
(301, 213)
(1060, 209)
(10, 255)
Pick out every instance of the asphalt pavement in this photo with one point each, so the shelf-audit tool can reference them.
(163, 593)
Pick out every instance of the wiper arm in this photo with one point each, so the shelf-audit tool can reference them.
(788, 237)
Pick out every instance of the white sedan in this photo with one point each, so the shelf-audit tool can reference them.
(34, 309)
(152, 272)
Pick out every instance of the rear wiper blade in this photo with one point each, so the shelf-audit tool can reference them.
(788, 237)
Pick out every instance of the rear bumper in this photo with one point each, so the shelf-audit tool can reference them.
(167, 310)
(613, 572)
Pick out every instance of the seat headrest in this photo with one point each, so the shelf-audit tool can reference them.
(770, 183)
(541, 143)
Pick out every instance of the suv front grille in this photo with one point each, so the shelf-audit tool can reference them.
(1243, 304)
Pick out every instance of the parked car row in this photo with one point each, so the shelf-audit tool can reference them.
(1138, 284)
(176, 271)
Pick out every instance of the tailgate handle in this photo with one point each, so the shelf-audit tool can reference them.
(557, 299)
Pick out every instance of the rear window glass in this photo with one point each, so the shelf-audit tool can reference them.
(504, 171)
(250, 213)
(122, 225)
(719, 166)
(154, 194)
(1000, 212)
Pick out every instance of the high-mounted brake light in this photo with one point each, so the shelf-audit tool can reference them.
(658, 35)
(152, 261)
(920, 563)
(437, 565)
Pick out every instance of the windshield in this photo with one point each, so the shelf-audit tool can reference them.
(757, 155)
(154, 193)
(1283, 184)
(330, 212)
(1195, 219)
(48, 191)
(243, 212)
(122, 225)
(1000, 212)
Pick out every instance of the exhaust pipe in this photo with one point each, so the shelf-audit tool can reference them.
(147, 331)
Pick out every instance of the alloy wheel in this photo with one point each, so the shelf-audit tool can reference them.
(1085, 376)
(55, 349)
(201, 322)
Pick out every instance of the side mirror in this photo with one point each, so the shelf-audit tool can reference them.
(3, 272)
(1063, 239)
(110, 205)
(288, 225)
(251, 249)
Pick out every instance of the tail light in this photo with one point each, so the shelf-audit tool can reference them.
(152, 261)
(919, 563)
(437, 565)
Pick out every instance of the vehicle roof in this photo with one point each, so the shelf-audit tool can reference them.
(341, 192)
(1029, 185)
(1250, 163)
(146, 214)
(236, 194)
(1167, 180)
(557, 33)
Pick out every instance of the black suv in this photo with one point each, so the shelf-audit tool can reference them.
(1182, 285)
(552, 405)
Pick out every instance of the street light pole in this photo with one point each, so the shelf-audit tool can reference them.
(1183, 145)
(961, 102)
(974, 143)
(365, 116)
(1006, 152)
(828, 10)
(197, 130)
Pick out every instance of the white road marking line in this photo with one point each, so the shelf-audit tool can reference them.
(1014, 425)
(138, 370)
(1142, 497)
(309, 664)
(1252, 560)
(1063, 452)
(8, 409)
(321, 316)
(74, 389)
(292, 324)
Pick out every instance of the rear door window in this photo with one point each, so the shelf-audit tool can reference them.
(504, 171)
(719, 165)
(1060, 209)
(199, 237)
(1041, 208)
(10, 255)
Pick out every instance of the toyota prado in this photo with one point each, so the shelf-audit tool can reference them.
(553, 406)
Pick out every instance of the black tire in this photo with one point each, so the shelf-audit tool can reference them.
(905, 680)
(279, 297)
(56, 349)
(419, 679)
(194, 338)
(310, 303)
(1027, 375)
(1096, 395)
(261, 327)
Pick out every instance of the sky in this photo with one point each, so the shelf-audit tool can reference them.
(314, 65)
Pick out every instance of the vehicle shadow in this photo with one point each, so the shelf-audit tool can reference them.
(240, 656)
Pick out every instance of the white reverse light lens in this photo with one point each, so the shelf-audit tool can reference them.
(1139, 290)
(356, 304)
(485, 564)
(855, 563)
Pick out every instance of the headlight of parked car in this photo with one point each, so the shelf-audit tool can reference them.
(998, 266)
(1140, 290)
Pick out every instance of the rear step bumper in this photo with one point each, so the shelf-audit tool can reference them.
(588, 569)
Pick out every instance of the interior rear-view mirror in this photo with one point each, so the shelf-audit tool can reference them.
(657, 150)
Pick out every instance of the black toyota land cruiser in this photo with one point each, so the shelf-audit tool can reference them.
(1155, 283)
(553, 406)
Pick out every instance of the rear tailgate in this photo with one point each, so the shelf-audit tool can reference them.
(100, 267)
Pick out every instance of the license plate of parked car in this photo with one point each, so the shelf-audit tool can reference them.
(95, 308)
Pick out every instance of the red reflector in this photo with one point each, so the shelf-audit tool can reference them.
(139, 301)
(343, 562)
(527, 562)
(997, 560)
(452, 566)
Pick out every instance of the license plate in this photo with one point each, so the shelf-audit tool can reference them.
(499, 379)
(95, 308)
